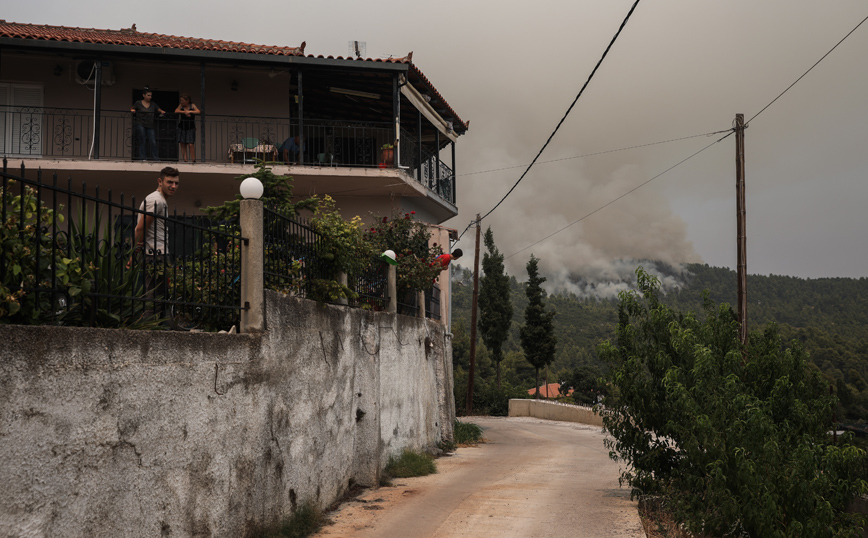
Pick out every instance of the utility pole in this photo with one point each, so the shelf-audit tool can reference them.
(468, 409)
(742, 235)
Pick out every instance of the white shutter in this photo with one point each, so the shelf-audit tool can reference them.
(27, 132)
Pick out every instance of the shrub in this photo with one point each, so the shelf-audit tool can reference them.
(303, 522)
(410, 463)
(735, 438)
(467, 433)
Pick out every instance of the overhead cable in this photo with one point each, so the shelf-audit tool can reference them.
(606, 52)
(806, 72)
(622, 196)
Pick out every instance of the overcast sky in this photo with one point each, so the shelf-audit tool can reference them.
(680, 68)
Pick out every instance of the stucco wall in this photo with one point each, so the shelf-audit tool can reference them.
(554, 411)
(137, 433)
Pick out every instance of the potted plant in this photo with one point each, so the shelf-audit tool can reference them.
(387, 155)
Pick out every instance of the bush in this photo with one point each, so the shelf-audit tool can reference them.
(734, 438)
(305, 521)
(467, 433)
(410, 463)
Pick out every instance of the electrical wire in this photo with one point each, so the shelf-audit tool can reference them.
(679, 163)
(806, 72)
(596, 153)
(551, 136)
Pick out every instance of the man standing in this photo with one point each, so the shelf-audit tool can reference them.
(152, 236)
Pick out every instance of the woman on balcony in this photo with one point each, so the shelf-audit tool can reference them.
(187, 127)
(144, 112)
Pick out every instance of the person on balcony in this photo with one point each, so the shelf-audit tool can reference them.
(290, 149)
(186, 112)
(144, 113)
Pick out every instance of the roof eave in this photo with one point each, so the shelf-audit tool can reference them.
(196, 54)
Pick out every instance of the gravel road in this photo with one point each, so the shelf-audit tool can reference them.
(532, 478)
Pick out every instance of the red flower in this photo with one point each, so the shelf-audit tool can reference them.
(385, 219)
(412, 212)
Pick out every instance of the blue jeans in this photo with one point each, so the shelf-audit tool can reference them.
(145, 135)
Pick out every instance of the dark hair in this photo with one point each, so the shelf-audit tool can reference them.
(169, 171)
(187, 97)
(457, 253)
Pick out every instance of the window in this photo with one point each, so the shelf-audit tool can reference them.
(21, 130)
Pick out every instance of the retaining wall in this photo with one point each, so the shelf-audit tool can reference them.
(107, 433)
(554, 411)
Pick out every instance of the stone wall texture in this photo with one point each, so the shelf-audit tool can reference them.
(107, 433)
(554, 411)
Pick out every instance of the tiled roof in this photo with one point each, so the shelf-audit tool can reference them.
(132, 37)
(552, 390)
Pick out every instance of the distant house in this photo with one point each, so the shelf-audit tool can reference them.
(66, 94)
(551, 391)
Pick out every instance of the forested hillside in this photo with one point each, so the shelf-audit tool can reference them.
(829, 316)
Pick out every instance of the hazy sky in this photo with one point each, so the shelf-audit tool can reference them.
(680, 68)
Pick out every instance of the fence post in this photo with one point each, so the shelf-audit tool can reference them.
(342, 280)
(420, 299)
(393, 290)
(252, 270)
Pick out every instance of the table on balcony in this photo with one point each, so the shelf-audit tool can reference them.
(266, 152)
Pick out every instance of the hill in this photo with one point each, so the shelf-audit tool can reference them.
(828, 316)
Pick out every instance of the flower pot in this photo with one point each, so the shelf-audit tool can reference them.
(387, 156)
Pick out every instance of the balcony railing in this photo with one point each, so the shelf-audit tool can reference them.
(68, 133)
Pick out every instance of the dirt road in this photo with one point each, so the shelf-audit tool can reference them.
(533, 478)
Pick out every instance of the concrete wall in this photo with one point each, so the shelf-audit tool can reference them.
(107, 433)
(554, 411)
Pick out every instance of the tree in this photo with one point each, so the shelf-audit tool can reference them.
(735, 438)
(538, 333)
(495, 308)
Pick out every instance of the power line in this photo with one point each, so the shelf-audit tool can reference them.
(703, 149)
(806, 72)
(679, 163)
(581, 91)
(597, 153)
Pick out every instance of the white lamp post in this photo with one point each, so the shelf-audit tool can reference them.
(251, 189)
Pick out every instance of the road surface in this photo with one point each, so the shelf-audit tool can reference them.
(532, 478)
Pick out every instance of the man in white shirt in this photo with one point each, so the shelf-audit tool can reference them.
(152, 236)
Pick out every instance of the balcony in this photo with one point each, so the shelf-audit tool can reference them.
(69, 134)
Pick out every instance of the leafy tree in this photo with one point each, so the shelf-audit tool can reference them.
(734, 438)
(495, 308)
(537, 335)
(277, 194)
(585, 382)
(408, 239)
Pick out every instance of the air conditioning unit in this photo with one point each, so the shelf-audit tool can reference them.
(85, 72)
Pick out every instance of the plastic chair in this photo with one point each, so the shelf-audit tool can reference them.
(248, 144)
(326, 158)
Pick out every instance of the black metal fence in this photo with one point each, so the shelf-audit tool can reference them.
(69, 258)
(69, 133)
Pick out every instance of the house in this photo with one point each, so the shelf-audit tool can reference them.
(374, 134)
(551, 391)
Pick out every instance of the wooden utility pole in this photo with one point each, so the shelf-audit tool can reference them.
(468, 409)
(742, 235)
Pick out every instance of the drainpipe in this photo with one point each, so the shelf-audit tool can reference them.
(202, 111)
(97, 104)
(302, 142)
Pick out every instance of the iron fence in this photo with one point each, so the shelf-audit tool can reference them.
(68, 258)
(71, 133)
(291, 249)
(427, 168)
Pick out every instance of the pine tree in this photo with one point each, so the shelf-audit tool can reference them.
(537, 335)
(495, 307)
